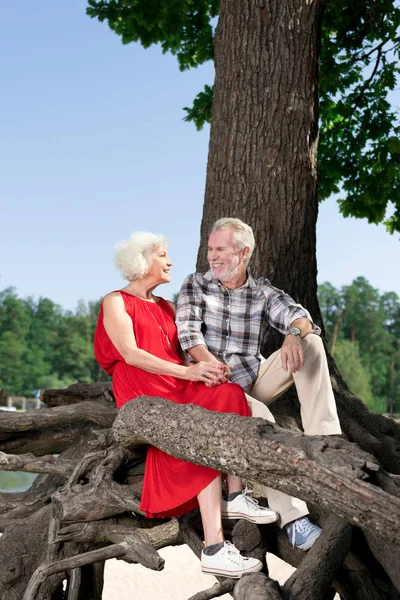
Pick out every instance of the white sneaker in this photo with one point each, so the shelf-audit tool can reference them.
(245, 507)
(228, 562)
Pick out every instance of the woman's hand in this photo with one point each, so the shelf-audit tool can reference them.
(210, 373)
(225, 374)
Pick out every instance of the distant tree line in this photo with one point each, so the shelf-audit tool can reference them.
(44, 346)
(362, 328)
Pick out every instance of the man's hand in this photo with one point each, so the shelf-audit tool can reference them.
(226, 371)
(207, 372)
(292, 355)
(224, 376)
(201, 353)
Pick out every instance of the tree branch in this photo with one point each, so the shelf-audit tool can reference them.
(134, 548)
(92, 493)
(31, 464)
(45, 418)
(44, 571)
(358, 99)
(366, 83)
(356, 58)
(79, 392)
(257, 587)
(114, 531)
(257, 449)
(218, 589)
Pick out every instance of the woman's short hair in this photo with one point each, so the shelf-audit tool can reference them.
(243, 236)
(132, 257)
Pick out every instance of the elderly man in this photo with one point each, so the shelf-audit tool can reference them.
(223, 315)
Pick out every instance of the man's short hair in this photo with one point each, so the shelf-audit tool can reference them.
(243, 236)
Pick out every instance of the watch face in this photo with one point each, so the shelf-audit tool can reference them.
(294, 331)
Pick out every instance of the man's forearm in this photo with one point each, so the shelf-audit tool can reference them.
(304, 325)
(201, 353)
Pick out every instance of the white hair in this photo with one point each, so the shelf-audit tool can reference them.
(132, 257)
(243, 236)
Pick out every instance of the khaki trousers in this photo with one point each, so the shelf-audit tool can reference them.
(317, 406)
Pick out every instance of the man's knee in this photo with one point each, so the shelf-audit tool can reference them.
(313, 346)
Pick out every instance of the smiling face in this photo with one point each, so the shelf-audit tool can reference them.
(227, 263)
(160, 265)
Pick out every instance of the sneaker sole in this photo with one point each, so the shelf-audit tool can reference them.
(231, 574)
(308, 544)
(266, 520)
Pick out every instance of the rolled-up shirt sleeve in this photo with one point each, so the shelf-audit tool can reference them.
(282, 310)
(189, 318)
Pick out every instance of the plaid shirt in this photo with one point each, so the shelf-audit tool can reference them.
(233, 323)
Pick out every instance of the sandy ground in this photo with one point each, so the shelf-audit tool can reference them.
(180, 579)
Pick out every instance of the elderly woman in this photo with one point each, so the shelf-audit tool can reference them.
(136, 342)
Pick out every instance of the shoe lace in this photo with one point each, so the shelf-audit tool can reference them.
(247, 494)
(302, 526)
(234, 553)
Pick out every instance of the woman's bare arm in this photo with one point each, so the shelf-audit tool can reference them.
(119, 328)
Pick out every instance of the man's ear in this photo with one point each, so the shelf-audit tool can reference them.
(245, 253)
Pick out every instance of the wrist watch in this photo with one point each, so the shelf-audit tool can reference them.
(294, 331)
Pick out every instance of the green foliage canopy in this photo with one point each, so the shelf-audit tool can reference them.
(359, 150)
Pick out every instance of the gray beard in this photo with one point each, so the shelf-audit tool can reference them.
(228, 273)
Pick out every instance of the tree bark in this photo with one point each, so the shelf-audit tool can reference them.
(78, 392)
(22, 549)
(257, 587)
(89, 411)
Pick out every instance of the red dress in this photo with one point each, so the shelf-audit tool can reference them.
(170, 485)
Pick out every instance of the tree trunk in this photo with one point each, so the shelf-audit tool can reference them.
(335, 332)
(262, 162)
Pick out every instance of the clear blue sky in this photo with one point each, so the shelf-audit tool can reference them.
(93, 146)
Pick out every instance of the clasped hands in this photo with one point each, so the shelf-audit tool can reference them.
(211, 373)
